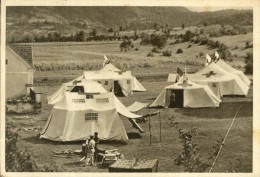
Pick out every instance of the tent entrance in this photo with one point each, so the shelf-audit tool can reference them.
(176, 99)
(117, 89)
(78, 89)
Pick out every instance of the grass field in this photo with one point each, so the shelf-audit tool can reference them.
(211, 123)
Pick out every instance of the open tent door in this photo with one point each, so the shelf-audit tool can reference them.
(117, 89)
(176, 99)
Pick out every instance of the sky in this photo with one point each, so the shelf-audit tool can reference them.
(208, 8)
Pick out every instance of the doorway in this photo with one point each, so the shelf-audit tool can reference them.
(117, 89)
(176, 99)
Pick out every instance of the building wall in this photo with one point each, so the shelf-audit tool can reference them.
(18, 75)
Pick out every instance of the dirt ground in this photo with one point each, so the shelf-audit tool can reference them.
(211, 123)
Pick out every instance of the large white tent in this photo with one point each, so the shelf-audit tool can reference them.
(84, 109)
(220, 81)
(232, 70)
(114, 80)
(186, 94)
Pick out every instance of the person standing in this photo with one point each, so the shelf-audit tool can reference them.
(91, 149)
(96, 139)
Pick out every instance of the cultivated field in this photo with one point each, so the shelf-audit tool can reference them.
(211, 123)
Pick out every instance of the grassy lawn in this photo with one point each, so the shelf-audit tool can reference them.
(211, 124)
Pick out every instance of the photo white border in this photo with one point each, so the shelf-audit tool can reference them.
(186, 3)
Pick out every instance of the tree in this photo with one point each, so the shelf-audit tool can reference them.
(56, 36)
(187, 36)
(183, 26)
(249, 63)
(110, 30)
(158, 40)
(93, 32)
(126, 45)
(80, 36)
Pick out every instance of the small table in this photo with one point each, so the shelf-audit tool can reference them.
(134, 166)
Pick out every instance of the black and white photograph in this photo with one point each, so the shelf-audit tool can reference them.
(121, 87)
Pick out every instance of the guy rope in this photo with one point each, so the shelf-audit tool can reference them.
(224, 140)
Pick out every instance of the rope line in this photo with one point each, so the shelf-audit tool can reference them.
(224, 140)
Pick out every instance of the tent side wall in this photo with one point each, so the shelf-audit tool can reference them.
(196, 98)
(67, 125)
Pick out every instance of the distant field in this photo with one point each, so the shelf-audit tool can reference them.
(89, 55)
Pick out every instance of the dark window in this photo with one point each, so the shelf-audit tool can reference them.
(91, 116)
(106, 82)
(6, 61)
(88, 96)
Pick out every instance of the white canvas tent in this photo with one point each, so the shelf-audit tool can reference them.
(114, 80)
(76, 115)
(90, 87)
(232, 70)
(186, 94)
(220, 81)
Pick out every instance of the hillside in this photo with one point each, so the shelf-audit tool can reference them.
(69, 20)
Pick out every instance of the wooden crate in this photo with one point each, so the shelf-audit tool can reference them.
(134, 166)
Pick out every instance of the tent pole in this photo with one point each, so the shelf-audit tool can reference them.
(160, 127)
(150, 128)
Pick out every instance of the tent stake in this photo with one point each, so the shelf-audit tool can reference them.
(160, 127)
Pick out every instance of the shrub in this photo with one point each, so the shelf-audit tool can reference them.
(201, 54)
(204, 41)
(191, 158)
(158, 40)
(247, 45)
(187, 36)
(18, 159)
(179, 51)
(249, 63)
(167, 53)
(224, 52)
(150, 54)
(156, 50)
(136, 49)
(189, 46)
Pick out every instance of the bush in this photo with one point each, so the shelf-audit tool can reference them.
(191, 158)
(247, 45)
(249, 63)
(204, 41)
(158, 40)
(136, 49)
(224, 52)
(201, 54)
(167, 53)
(156, 50)
(18, 159)
(187, 36)
(150, 54)
(189, 46)
(179, 51)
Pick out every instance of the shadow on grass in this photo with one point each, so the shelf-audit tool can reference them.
(134, 135)
(116, 143)
(36, 140)
(225, 110)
